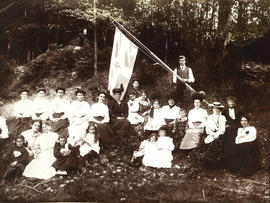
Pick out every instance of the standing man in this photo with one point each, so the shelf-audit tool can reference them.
(187, 76)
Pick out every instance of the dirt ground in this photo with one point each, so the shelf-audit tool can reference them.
(115, 180)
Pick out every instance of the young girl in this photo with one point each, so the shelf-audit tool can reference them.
(155, 118)
(133, 108)
(66, 158)
(161, 157)
(90, 145)
(146, 149)
(144, 104)
(16, 158)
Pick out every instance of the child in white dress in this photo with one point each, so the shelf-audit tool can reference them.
(147, 147)
(89, 148)
(161, 155)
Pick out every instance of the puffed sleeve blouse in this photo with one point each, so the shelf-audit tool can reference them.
(197, 115)
(99, 110)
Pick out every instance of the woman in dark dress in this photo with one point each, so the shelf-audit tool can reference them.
(245, 158)
(232, 114)
(121, 127)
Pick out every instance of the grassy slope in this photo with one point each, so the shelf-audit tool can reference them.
(116, 180)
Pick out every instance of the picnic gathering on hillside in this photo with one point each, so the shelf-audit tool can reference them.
(58, 136)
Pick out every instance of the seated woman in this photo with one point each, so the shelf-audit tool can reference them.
(133, 110)
(41, 166)
(118, 110)
(99, 114)
(40, 106)
(170, 113)
(79, 112)
(144, 104)
(196, 123)
(155, 118)
(66, 157)
(30, 137)
(22, 115)
(246, 157)
(215, 124)
(59, 112)
(161, 155)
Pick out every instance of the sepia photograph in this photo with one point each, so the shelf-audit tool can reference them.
(135, 101)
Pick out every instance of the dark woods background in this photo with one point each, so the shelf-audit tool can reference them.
(226, 42)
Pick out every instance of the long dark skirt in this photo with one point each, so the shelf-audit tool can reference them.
(228, 143)
(66, 163)
(246, 159)
(105, 133)
(61, 127)
(122, 128)
(17, 125)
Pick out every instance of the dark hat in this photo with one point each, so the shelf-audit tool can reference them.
(217, 105)
(118, 90)
(198, 95)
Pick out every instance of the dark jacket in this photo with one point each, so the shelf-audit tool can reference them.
(118, 110)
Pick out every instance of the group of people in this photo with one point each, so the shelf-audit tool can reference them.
(56, 136)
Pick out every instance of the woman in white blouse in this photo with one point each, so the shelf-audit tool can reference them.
(22, 115)
(41, 106)
(59, 112)
(215, 124)
(246, 154)
(79, 112)
(196, 123)
(99, 114)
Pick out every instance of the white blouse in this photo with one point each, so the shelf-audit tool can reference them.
(4, 128)
(215, 124)
(23, 108)
(171, 113)
(41, 106)
(197, 115)
(59, 106)
(99, 109)
(79, 109)
(247, 134)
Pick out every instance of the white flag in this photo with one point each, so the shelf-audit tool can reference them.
(122, 61)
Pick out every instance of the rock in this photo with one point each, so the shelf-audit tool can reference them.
(62, 185)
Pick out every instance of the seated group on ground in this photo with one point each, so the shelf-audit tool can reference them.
(56, 137)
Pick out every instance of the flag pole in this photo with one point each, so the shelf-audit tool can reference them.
(150, 54)
(95, 38)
